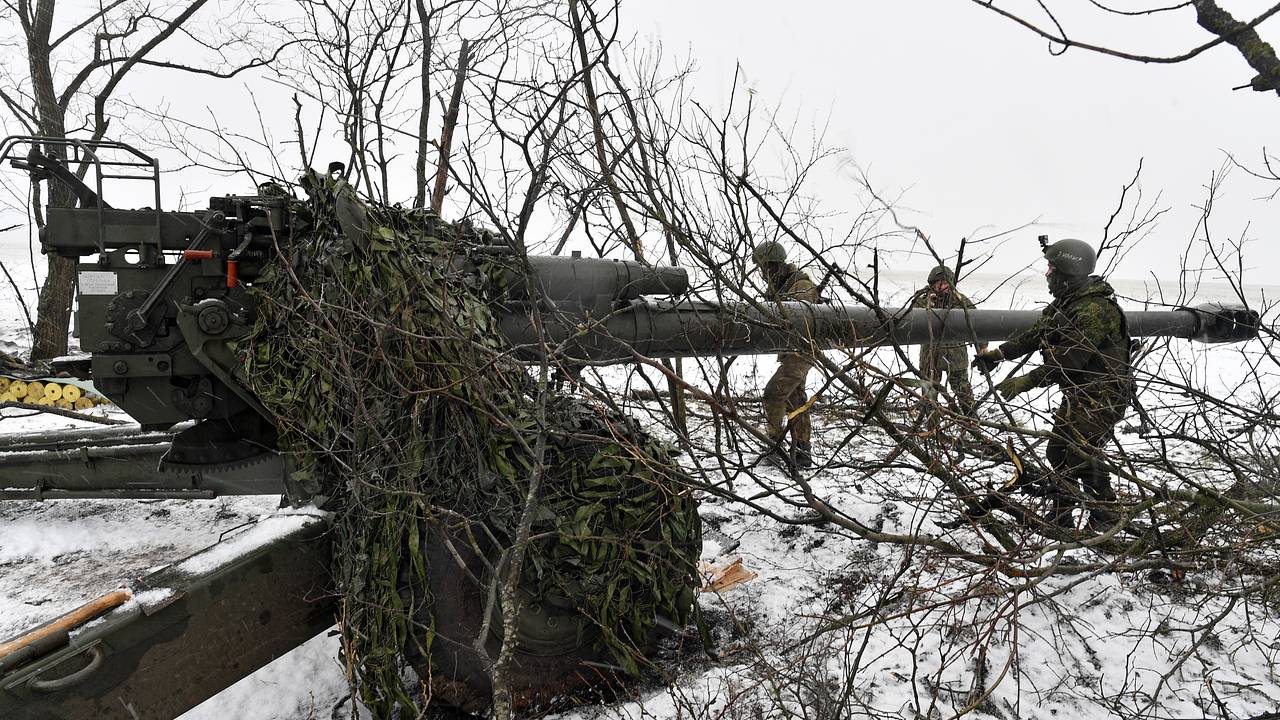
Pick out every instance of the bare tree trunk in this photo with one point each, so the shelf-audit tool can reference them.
(424, 116)
(53, 314)
(502, 700)
(54, 311)
(53, 318)
(450, 121)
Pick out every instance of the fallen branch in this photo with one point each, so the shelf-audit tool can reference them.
(66, 413)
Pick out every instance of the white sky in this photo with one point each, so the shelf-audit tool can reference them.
(976, 127)
(959, 115)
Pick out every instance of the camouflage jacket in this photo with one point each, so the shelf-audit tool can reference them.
(794, 285)
(926, 298)
(1084, 340)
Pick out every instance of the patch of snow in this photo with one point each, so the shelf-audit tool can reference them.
(60, 554)
(268, 528)
(307, 682)
(152, 599)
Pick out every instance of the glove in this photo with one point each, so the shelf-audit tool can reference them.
(987, 360)
(1010, 388)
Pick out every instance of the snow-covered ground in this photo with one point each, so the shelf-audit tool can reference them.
(833, 624)
(1115, 633)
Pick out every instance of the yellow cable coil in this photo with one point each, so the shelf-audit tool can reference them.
(48, 394)
(67, 397)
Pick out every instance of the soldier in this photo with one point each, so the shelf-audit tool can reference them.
(949, 357)
(785, 391)
(1085, 344)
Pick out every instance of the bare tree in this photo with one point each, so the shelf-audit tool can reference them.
(565, 132)
(888, 438)
(1209, 15)
(560, 140)
(71, 81)
(450, 124)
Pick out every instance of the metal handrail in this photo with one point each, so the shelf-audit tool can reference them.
(87, 153)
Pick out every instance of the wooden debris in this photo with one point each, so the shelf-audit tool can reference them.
(720, 579)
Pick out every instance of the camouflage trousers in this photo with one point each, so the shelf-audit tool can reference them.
(784, 393)
(954, 361)
(1082, 425)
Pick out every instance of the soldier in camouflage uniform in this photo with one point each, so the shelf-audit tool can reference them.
(785, 391)
(949, 357)
(1085, 344)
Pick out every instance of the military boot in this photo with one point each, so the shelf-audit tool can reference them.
(1060, 511)
(1100, 500)
(773, 456)
(803, 455)
(1101, 519)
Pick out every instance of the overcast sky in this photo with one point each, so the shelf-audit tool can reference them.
(976, 127)
(959, 115)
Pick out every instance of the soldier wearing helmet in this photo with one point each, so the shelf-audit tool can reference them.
(1084, 340)
(949, 357)
(785, 393)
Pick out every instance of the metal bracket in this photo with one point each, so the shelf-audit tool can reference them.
(208, 340)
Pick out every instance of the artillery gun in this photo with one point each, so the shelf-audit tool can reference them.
(163, 296)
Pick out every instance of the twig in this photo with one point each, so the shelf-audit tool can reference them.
(66, 413)
(31, 326)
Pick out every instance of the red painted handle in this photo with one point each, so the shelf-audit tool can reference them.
(197, 254)
(232, 272)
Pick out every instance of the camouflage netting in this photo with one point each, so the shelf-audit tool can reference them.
(376, 348)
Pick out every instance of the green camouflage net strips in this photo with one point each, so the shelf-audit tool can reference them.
(376, 348)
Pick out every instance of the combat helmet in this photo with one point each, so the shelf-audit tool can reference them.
(769, 251)
(1074, 258)
(942, 272)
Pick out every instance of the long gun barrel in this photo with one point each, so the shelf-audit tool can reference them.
(684, 329)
